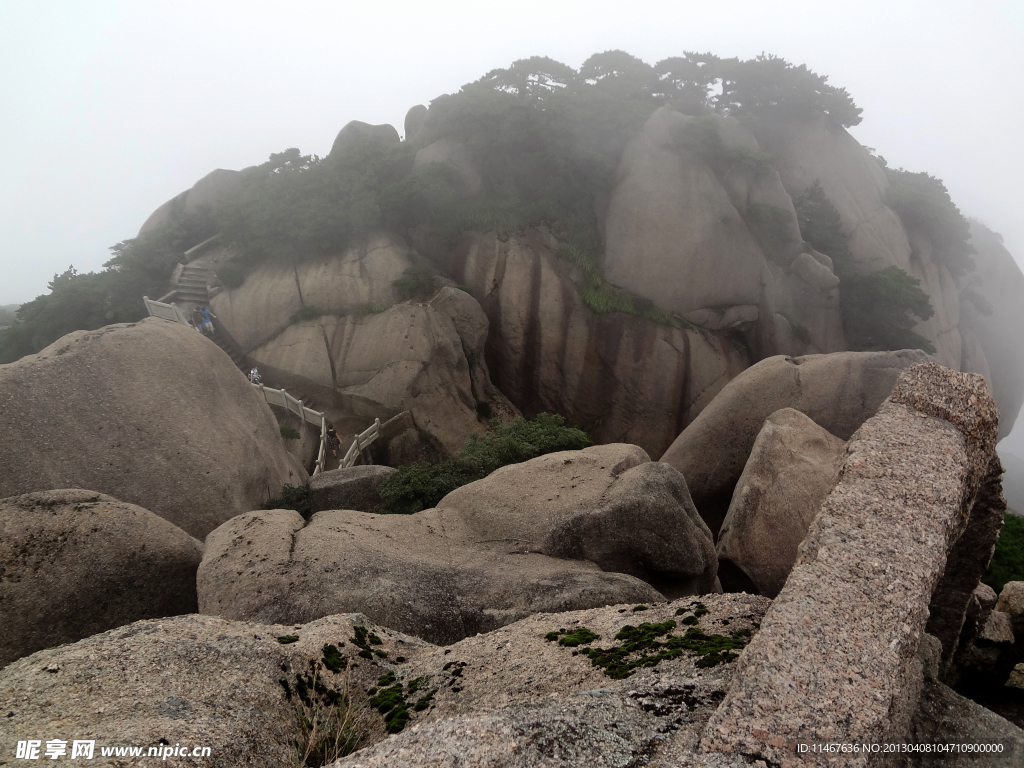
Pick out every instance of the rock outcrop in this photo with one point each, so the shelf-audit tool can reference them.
(151, 413)
(792, 467)
(332, 328)
(568, 530)
(915, 467)
(76, 563)
(357, 135)
(348, 488)
(218, 187)
(194, 681)
(624, 378)
(839, 392)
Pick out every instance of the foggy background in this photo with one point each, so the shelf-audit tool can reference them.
(108, 109)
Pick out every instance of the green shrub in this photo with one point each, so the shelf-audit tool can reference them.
(292, 497)
(879, 308)
(770, 227)
(1008, 561)
(421, 485)
(924, 206)
(416, 283)
(289, 432)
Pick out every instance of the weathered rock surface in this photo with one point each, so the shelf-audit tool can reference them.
(447, 573)
(454, 155)
(189, 680)
(624, 378)
(792, 467)
(75, 563)
(357, 134)
(609, 505)
(151, 413)
(914, 467)
(513, 699)
(348, 488)
(1011, 599)
(672, 234)
(414, 121)
(366, 356)
(215, 188)
(839, 392)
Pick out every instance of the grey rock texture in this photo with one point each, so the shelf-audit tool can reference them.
(913, 467)
(839, 392)
(1011, 599)
(151, 413)
(193, 680)
(526, 541)
(368, 357)
(998, 629)
(348, 488)
(609, 505)
(215, 188)
(356, 134)
(453, 154)
(414, 121)
(519, 700)
(792, 467)
(627, 379)
(76, 563)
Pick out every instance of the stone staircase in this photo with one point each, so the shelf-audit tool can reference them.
(190, 290)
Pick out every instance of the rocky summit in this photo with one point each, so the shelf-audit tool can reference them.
(629, 416)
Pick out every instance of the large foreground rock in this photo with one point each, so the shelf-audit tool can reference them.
(189, 680)
(560, 532)
(514, 699)
(75, 563)
(837, 656)
(839, 392)
(792, 468)
(151, 413)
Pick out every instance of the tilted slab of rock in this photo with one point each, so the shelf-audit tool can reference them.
(839, 392)
(151, 413)
(832, 662)
(189, 680)
(514, 698)
(792, 467)
(75, 563)
(559, 532)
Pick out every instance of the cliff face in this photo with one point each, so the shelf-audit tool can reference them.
(699, 223)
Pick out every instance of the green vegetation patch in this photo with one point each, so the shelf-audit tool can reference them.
(363, 639)
(389, 698)
(416, 283)
(286, 639)
(1008, 560)
(333, 659)
(421, 485)
(641, 647)
(289, 433)
(292, 497)
(580, 636)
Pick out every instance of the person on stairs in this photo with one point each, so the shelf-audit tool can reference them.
(197, 320)
(208, 318)
(333, 441)
(254, 375)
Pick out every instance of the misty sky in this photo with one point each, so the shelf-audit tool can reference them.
(107, 109)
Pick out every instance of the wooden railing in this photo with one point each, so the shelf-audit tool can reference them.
(282, 399)
(166, 311)
(360, 443)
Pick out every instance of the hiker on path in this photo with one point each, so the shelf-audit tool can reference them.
(196, 319)
(254, 376)
(333, 441)
(208, 318)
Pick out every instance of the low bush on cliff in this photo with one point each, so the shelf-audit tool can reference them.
(421, 485)
(1008, 561)
(879, 308)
